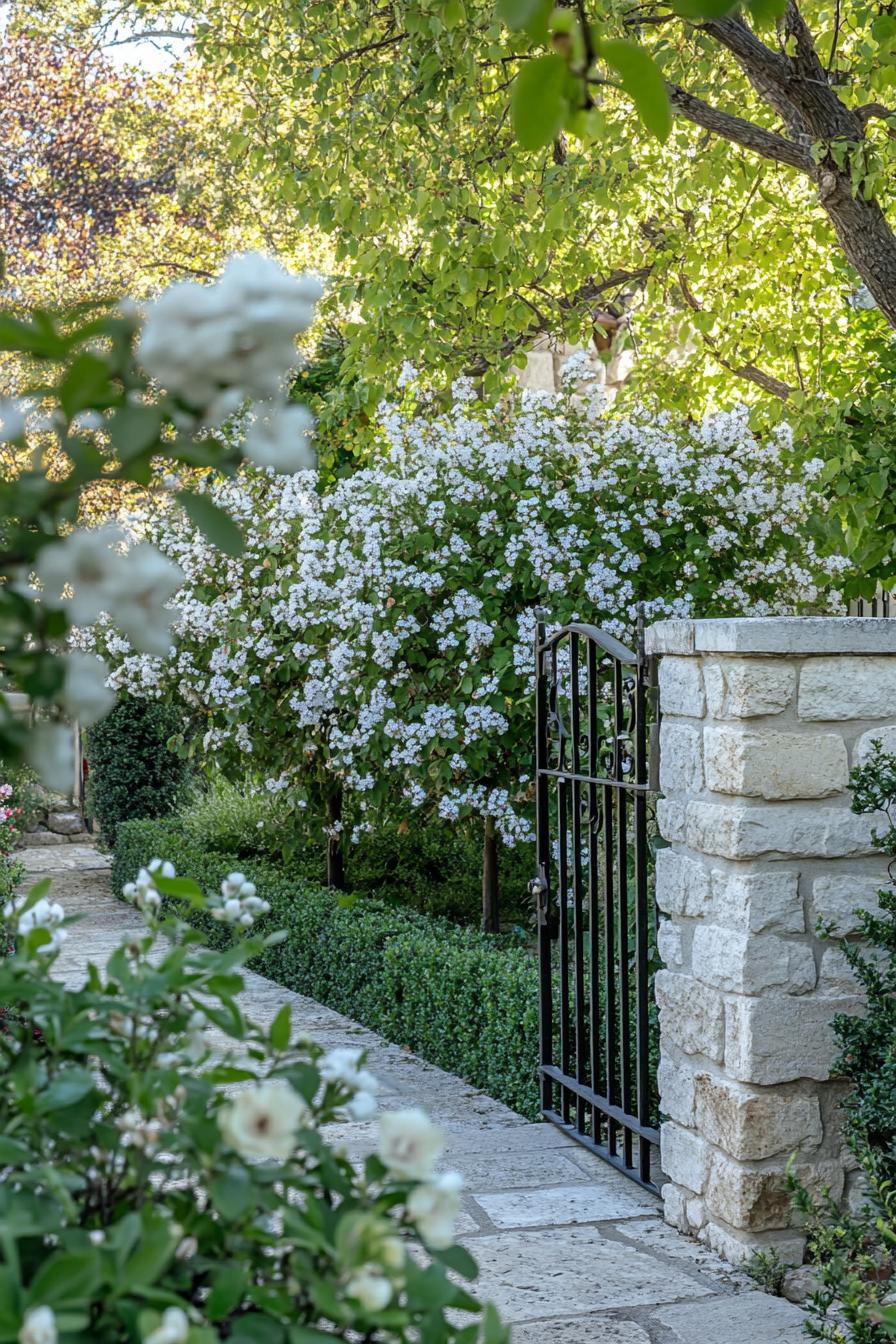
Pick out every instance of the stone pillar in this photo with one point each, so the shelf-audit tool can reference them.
(762, 720)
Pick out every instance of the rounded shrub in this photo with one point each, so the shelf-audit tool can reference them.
(132, 772)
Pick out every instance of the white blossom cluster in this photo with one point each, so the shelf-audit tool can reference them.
(143, 891)
(239, 903)
(42, 914)
(382, 631)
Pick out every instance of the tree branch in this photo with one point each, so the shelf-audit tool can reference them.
(767, 381)
(871, 111)
(744, 133)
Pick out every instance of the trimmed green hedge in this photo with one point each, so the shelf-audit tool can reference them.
(458, 997)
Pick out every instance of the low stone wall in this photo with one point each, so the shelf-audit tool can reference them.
(762, 721)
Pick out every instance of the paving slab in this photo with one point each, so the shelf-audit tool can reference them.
(754, 1318)
(601, 1268)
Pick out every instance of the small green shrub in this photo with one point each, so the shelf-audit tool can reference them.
(463, 999)
(132, 773)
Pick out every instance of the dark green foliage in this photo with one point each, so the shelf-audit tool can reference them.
(132, 773)
(464, 1000)
(855, 1255)
(429, 865)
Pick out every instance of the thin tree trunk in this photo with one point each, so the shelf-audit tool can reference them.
(335, 850)
(864, 235)
(490, 918)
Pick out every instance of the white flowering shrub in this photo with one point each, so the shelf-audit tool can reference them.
(165, 1172)
(380, 634)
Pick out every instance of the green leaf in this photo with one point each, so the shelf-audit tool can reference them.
(538, 104)
(458, 1259)
(69, 1277)
(214, 521)
(281, 1028)
(227, 1288)
(134, 429)
(640, 77)
(526, 14)
(232, 1193)
(66, 1089)
(13, 1153)
(85, 382)
(182, 887)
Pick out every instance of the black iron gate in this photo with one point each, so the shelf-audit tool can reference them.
(594, 895)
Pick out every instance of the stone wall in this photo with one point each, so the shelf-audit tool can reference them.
(762, 721)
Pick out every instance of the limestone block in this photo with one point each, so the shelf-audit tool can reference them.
(777, 1039)
(775, 765)
(848, 688)
(692, 1016)
(745, 963)
(65, 823)
(885, 735)
(741, 832)
(744, 688)
(683, 884)
(674, 1206)
(681, 687)
(681, 758)
(835, 975)
(668, 942)
(671, 817)
(538, 374)
(836, 898)
(676, 1081)
(751, 1124)
(684, 1156)
(764, 901)
(746, 1198)
(736, 1247)
(695, 1212)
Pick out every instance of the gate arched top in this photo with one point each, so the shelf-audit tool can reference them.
(599, 637)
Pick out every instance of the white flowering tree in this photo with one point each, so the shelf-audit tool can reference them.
(377, 638)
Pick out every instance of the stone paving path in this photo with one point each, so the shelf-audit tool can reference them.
(569, 1250)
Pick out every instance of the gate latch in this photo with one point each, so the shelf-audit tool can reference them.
(538, 890)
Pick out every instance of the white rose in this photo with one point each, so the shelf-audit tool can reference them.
(434, 1207)
(262, 1121)
(85, 694)
(279, 439)
(362, 1106)
(50, 752)
(39, 1326)
(410, 1144)
(372, 1289)
(174, 1329)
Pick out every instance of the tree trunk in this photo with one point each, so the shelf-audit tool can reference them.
(490, 919)
(335, 851)
(864, 235)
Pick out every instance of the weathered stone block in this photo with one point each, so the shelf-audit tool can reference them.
(668, 943)
(746, 1198)
(751, 1124)
(736, 1247)
(684, 1156)
(65, 823)
(775, 765)
(835, 975)
(746, 963)
(692, 1015)
(848, 688)
(676, 1082)
(778, 1039)
(681, 687)
(837, 897)
(744, 688)
(739, 832)
(764, 901)
(671, 818)
(683, 885)
(885, 735)
(681, 758)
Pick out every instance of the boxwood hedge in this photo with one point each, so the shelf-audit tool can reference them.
(460, 998)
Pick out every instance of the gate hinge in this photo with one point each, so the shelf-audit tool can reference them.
(538, 890)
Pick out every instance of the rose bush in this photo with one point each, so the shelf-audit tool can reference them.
(165, 1176)
(377, 637)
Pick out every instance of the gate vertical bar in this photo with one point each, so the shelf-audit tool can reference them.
(541, 885)
(642, 918)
